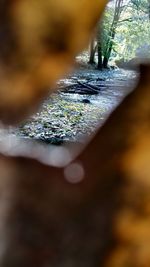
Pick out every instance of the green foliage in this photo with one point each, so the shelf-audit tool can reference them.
(135, 34)
(131, 31)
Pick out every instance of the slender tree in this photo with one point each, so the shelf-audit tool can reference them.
(111, 35)
(99, 47)
(92, 51)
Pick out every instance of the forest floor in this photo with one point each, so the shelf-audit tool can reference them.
(83, 101)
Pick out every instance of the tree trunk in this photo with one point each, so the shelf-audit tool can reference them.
(92, 52)
(99, 47)
(109, 50)
(99, 50)
(105, 62)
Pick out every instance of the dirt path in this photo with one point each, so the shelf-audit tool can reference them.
(84, 100)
